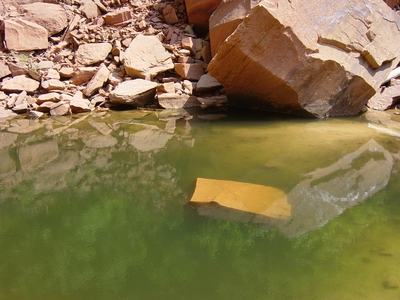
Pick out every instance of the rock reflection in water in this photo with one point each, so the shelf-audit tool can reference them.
(327, 192)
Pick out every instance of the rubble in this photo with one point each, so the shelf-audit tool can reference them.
(99, 49)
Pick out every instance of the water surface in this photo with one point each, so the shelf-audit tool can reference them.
(95, 207)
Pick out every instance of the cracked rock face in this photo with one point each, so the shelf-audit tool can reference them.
(315, 59)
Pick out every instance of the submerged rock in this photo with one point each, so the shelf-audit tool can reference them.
(241, 201)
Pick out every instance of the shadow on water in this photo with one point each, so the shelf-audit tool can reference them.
(95, 206)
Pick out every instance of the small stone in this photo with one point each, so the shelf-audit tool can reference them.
(170, 15)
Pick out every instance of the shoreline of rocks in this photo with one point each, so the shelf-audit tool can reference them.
(73, 57)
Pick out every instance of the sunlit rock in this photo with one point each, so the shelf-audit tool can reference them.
(136, 92)
(328, 192)
(324, 61)
(241, 201)
(32, 156)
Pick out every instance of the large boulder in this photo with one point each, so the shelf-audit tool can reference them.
(199, 12)
(146, 57)
(315, 59)
(48, 15)
(22, 35)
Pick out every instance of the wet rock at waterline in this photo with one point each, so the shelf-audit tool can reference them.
(241, 201)
(136, 92)
(335, 57)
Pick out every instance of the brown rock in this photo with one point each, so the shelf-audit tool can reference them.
(66, 72)
(331, 64)
(19, 68)
(89, 54)
(189, 71)
(118, 17)
(21, 35)
(189, 44)
(170, 15)
(199, 12)
(48, 15)
(146, 57)
(97, 80)
(20, 83)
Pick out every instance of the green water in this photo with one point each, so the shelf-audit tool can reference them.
(90, 215)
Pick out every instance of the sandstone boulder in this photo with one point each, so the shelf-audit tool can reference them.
(199, 12)
(97, 80)
(48, 15)
(146, 57)
(89, 54)
(316, 62)
(136, 92)
(20, 83)
(22, 35)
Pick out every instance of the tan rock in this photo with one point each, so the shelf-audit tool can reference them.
(21, 35)
(48, 15)
(4, 70)
(97, 80)
(59, 109)
(19, 68)
(89, 54)
(90, 9)
(52, 97)
(20, 83)
(331, 64)
(66, 72)
(146, 57)
(207, 83)
(170, 15)
(53, 84)
(83, 74)
(6, 113)
(120, 16)
(189, 71)
(79, 105)
(189, 44)
(241, 201)
(136, 92)
(199, 12)
(384, 98)
(173, 101)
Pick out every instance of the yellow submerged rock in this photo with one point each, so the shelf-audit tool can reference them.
(241, 201)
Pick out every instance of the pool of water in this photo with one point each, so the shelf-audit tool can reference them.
(95, 207)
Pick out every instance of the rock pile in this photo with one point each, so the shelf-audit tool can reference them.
(75, 56)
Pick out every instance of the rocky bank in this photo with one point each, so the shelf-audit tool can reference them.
(77, 56)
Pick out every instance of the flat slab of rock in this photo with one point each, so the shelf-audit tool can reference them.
(89, 54)
(22, 35)
(48, 15)
(136, 92)
(146, 57)
(20, 83)
(173, 101)
(315, 62)
(241, 201)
